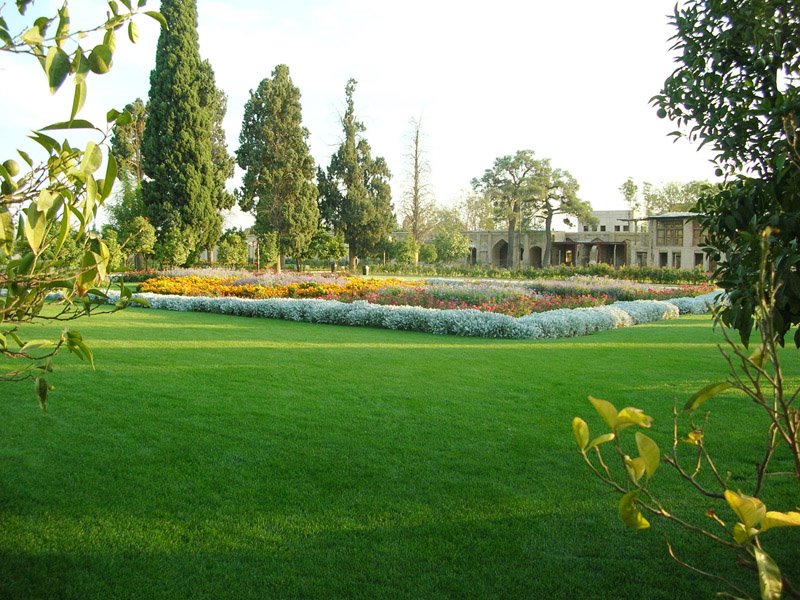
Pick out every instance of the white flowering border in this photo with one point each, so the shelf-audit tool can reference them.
(472, 323)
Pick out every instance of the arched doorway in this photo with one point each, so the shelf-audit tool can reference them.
(500, 254)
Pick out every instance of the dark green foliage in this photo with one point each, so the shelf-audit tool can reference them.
(222, 163)
(355, 197)
(177, 146)
(673, 196)
(737, 90)
(278, 186)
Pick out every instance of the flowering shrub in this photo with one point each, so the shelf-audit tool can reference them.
(473, 323)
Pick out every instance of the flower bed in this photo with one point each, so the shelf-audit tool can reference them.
(514, 299)
(473, 323)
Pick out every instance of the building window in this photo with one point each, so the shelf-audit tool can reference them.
(602, 227)
(698, 259)
(586, 228)
(641, 259)
(626, 228)
(663, 259)
(697, 234)
(676, 260)
(669, 233)
(616, 227)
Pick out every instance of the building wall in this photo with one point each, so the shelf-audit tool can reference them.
(644, 243)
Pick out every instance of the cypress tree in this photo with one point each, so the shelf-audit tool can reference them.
(278, 186)
(356, 199)
(176, 146)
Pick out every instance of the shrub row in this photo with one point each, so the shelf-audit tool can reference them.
(472, 323)
(632, 273)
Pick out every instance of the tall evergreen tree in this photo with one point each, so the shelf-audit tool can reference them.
(222, 162)
(278, 186)
(176, 148)
(355, 197)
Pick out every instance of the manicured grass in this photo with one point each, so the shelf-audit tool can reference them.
(213, 456)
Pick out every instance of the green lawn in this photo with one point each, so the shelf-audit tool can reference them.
(222, 457)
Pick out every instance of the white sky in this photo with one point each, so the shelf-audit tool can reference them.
(570, 80)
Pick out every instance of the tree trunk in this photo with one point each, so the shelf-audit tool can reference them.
(548, 241)
(353, 261)
(279, 263)
(512, 226)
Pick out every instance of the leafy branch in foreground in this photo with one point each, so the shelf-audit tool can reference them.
(52, 204)
(757, 375)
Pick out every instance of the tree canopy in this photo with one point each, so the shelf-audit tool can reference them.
(355, 196)
(510, 185)
(278, 187)
(736, 89)
(177, 144)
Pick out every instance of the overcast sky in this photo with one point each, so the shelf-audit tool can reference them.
(570, 80)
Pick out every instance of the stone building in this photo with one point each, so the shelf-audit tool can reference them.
(620, 237)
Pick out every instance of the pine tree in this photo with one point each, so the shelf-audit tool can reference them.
(278, 186)
(356, 199)
(177, 144)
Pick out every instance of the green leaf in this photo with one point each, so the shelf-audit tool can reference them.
(769, 576)
(26, 157)
(92, 159)
(76, 345)
(112, 115)
(158, 17)
(79, 99)
(108, 181)
(41, 387)
(705, 394)
(34, 227)
(100, 59)
(56, 65)
(628, 512)
(73, 124)
(63, 232)
(127, 4)
(125, 118)
(133, 32)
(648, 450)
(606, 410)
(581, 431)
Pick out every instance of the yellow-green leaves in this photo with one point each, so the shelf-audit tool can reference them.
(778, 519)
(620, 420)
(606, 410)
(769, 576)
(648, 452)
(581, 431)
(749, 510)
(630, 514)
(704, 395)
